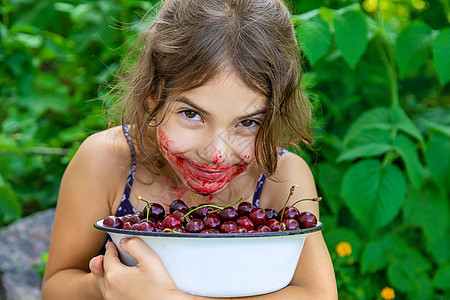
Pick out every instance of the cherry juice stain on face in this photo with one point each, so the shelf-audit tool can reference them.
(217, 157)
(202, 178)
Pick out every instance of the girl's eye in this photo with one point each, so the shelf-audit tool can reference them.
(190, 114)
(249, 123)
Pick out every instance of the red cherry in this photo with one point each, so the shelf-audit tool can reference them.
(228, 226)
(156, 211)
(127, 225)
(272, 214)
(112, 221)
(229, 214)
(177, 205)
(135, 226)
(180, 229)
(171, 221)
(273, 224)
(210, 231)
(180, 213)
(195, 226)
(245, 222)
(126, 218)
(291, 224)
(158, 227)
(201, 212)
(146, 226)
(263, 228)
(307, 220)
(239, 229)
(258, 216)
(244, 208)
(212, 221)
(290, 212)
(136, 217)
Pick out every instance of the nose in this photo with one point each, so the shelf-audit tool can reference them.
(217, 148)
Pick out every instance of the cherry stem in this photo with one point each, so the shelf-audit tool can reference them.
(148, 205)
(206, 205)
(311, 199)
(240, 199)
(291, 192)
(213, 206)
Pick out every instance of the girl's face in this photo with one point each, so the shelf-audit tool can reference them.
(209, 132)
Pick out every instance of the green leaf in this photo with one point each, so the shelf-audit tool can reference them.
(330, 181)
(400, 278)
(369, 150)
(425, 205)
(369, 143)
(423, 287)
(351, 35)
(404, 123)
(441, 278)
(441, 50)
(413, 47)
(374, 193)
(314, 38)
(10, 207)
(439, 249)
(376, 118)
(437, 158)
(408, 152)
(373, 258)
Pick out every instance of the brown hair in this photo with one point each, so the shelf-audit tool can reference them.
(191, 41)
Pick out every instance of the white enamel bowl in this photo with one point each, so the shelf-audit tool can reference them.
(222, 265)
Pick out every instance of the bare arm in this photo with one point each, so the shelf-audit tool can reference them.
(313, 279)
(86, 193)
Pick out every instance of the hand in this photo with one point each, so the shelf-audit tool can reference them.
(147, 280)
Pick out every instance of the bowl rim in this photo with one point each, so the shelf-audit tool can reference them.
(98, 226)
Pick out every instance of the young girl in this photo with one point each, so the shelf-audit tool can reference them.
(209, 105)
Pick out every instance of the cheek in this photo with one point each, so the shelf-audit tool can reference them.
(173, 142)
(247, 154)
(165, 143)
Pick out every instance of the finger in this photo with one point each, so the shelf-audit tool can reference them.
(96, 266)
(111, 255)
(136, 248)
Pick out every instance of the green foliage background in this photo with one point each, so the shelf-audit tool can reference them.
(377, 73)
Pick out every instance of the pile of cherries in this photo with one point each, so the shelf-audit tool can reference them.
(209, 218)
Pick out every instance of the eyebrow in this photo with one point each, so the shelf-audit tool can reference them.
(204, 112)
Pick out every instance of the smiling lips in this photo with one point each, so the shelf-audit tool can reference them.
(208, 172)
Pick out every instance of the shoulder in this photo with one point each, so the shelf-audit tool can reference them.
(291, 170)
(103, 146)
(101, 157)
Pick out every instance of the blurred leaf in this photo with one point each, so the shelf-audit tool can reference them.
(413, 47)
(441, 50)
(404, 123)
(330, 181)
(314, 38)
(374, 257)
(441, 278)
(10, 207)
(376, 118)
(368, 143)
(374, 193)
(438, 159)
(400, 278)
(351, 35)
(408, 152)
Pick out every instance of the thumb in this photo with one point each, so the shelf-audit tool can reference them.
(96, 266)
(139, 251)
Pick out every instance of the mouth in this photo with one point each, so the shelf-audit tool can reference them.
(207, 172)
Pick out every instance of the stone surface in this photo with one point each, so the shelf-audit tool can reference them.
(21, 246)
